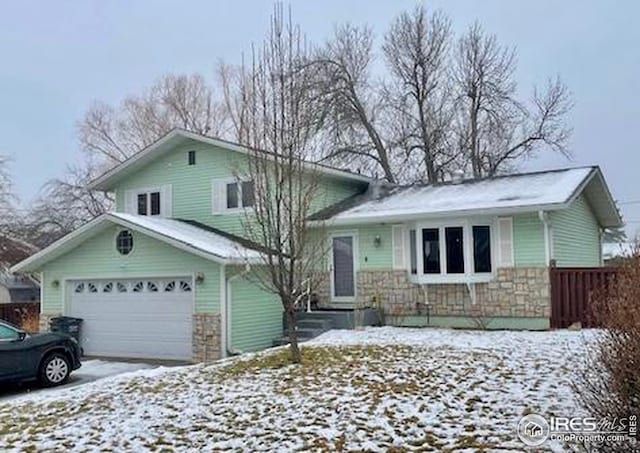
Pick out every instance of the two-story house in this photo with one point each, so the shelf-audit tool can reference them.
(166, 275)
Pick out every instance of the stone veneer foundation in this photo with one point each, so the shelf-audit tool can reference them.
(514, 293)
(206, 337)
(43, 323)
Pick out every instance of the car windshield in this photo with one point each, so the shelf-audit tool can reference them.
(8, 333)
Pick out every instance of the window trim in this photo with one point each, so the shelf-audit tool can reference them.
(115, 242)
(238, 183)
(469, 275)
(148, 191)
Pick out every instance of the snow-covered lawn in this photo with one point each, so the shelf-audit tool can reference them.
(379, 389)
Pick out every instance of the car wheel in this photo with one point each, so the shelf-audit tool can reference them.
(55, 369)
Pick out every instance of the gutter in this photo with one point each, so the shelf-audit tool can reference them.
(227, 349)
(351, 221)
(548, 245)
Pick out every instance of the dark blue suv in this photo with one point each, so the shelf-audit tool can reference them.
(47, 357)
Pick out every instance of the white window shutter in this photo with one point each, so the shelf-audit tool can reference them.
(218, 196)
(505, 241)
(130, 202)
(397, 233)
(166, 201)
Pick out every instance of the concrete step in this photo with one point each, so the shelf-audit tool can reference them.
(307, 333)
(310, 325)
(285, 340)
(339, 319)
(320, 324)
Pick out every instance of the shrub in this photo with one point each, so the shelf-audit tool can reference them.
(609, 386)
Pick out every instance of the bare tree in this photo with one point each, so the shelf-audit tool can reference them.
(108, 135)
(236, 91)
(354, 107)
(608, 383)
(495, 129)
(64, 205)
(7, 197)
(282, 118)
(416, 50)
(112, 134)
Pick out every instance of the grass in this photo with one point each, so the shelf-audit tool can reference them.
(401, 397)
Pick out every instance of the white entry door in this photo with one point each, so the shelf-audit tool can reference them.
(343, 270)
(141, 318)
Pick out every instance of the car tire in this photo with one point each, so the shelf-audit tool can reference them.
(54, 370)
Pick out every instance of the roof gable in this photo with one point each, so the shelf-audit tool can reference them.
(181, 235)
(178, 137)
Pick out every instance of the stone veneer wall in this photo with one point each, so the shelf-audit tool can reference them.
(206, 337)
(515, 292)
(43, 323)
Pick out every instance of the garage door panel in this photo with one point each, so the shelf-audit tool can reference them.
(134, 318)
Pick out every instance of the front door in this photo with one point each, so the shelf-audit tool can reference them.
(343, 284)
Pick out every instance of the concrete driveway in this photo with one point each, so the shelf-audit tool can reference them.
(91, 370)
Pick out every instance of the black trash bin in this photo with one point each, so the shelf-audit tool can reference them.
(66, 324)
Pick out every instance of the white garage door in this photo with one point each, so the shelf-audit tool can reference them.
(143, 318)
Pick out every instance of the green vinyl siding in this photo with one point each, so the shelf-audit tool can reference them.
(528, 240)
(191, 184)
(256, 316)
(576, 235)
(97, 258)
(371, 257)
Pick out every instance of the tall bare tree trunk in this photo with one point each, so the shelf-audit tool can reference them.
(294, 349)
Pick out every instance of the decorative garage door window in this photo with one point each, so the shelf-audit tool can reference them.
(134, 286)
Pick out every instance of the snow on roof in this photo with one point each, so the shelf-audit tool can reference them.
(192, 236)
(498, 193)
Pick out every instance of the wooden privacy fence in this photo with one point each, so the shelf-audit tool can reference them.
(571, 292)
(24, 315)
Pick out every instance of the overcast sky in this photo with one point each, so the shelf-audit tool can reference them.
(58, 56)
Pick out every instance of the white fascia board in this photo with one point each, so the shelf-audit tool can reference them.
(438, 215)
(67, 243)
(102, 182)
(97, 184)
(43, 255)
(576, 193)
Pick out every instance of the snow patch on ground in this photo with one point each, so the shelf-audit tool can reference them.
(374, 389)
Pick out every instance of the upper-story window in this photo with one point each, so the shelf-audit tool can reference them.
(191, 157)
(149, 203)
(230, 195)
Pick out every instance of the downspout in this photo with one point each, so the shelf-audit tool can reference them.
(548, 250)
(228, 348)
